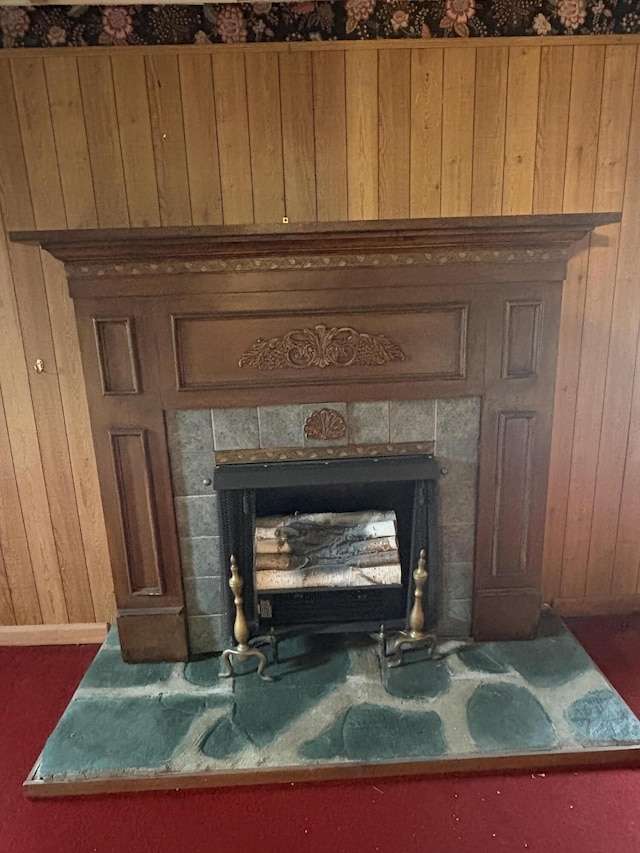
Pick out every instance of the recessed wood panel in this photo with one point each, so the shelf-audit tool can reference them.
(513, 493)
(117, 356)
(522, 336)
(214, 351)
(138, 516)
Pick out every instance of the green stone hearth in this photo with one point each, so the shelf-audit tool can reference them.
(334, 701)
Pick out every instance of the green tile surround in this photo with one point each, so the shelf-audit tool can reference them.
(334, 700)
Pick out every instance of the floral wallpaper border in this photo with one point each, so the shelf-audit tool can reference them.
(313, 20)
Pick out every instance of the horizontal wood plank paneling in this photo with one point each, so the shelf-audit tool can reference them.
(238, 134)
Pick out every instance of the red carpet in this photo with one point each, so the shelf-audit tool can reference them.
(586, 812)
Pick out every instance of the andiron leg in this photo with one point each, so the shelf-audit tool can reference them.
(244, 649)
(416, 637)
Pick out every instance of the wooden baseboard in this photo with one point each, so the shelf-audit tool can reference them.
(53, 635)
(620, 605)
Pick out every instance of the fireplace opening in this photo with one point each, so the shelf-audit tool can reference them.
(398, 491)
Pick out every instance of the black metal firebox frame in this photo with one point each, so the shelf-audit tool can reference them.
(238, 486)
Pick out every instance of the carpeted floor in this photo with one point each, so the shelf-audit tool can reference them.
(586, 812)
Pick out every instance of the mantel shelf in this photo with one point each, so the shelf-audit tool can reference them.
(123, 245)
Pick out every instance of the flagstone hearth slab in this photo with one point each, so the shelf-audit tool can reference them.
(336, 710)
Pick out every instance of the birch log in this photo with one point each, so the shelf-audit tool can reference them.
(325, 550)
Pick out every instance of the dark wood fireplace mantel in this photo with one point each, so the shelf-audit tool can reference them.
(230, 317)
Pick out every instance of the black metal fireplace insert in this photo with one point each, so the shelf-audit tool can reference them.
(405, 484)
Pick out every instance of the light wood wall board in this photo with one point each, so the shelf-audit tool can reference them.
(425, 168)
(147, 136)
(168, 139)
(234, 151)
(608, 511)
(458, 106)
(265, 135)
(520, 134)
(394, 133)
(490, 109)
(136, 145)
(201, 139)
(553, 121)
(103, 137)
(330, 129)
(362, 133)
(298, 143)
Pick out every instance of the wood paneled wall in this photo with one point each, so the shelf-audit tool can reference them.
(175, 136)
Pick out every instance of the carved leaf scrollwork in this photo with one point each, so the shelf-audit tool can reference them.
(320, 346)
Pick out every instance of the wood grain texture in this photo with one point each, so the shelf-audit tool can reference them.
(615, 574)
(582, 134)
(27, 333)
(65, 101)
(233, 137)
(167, 134)
(83, 471)
(520, 134)
(103, 139)
(54, 635)
(90, 125)
(201, 139)
(488, 133)
(571, 327)
(20, 595)
(265, 132)
(426, 133)
(298, 143)
(588, 412)
(553, 121)
(330, 124)
(457, 132)
(48, 334)
(136, 145)
(362, 133)
(394, 74)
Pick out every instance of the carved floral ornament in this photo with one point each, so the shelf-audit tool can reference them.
(321, 346)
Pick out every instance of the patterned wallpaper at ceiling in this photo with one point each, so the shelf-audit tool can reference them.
(60, 26)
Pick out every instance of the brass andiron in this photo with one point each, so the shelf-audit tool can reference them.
(415, 637)
(244, 649)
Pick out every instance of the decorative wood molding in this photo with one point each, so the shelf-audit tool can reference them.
(350, 451)
(75, 633)
(438, 257)
(325, 425)
(240, 248)
(321, 346)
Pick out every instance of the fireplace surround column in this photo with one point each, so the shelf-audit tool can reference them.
(200, 318)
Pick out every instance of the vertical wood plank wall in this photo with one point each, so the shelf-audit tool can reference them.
(175, 136)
